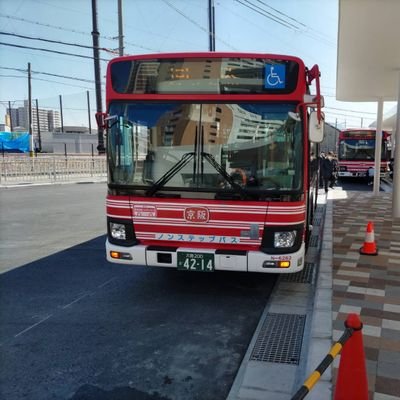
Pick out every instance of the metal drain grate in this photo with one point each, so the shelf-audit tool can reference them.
(320, 209)
(280, 339)
(317, 221)
(313, 241)
(306, 275)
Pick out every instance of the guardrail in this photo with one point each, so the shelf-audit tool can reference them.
(50, 168)
(352, 380)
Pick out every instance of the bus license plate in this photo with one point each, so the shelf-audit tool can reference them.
(195, 261)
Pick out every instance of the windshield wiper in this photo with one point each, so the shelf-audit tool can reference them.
(170, 173)
(210, 158)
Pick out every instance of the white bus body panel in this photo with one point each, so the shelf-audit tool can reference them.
(250, 262)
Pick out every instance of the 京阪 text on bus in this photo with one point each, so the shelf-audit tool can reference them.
(356, 152)
(211, 160)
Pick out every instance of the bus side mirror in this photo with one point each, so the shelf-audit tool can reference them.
(315, 128)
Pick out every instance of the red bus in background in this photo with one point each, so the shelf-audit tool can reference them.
(211, 160)
(356, 152)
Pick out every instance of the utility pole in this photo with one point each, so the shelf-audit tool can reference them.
(99, 106)
(88, 109)
(30, 112)
(38, 126)
(61, 114)
(211, 24)
(10, 114)
(120, 29)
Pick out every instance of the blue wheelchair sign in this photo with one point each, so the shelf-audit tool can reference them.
(275, 75)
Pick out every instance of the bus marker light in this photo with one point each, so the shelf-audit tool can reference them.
(114, 254)
(284, 264)
(120, 256)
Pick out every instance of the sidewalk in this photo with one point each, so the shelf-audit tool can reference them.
(368, 285)
(344, 282)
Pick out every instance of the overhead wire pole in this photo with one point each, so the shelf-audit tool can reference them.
(38, 127)
(120, 30)
(10, 114)
(99, 106)
(30, 112)
(211, 25)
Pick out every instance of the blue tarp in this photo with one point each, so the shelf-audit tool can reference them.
(14, 141)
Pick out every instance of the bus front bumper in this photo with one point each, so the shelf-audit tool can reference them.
(346, 174)
(250, 261)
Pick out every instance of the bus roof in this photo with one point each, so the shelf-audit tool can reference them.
(195, 75)
(212, 54)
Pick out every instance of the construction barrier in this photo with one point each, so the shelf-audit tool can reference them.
(51, 169)
(369, 247)
(352, 382)
(352, 377)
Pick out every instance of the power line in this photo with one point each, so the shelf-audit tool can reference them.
(196, 23)
(46, 40)
(50, 74)
(325, 37)
(297, 26)
(356, 111)
(267, 14)
(46, 80)
(73, 31)
(50, 26)
(56, 41)
(353, 117)
(49, 51)
(281, 13)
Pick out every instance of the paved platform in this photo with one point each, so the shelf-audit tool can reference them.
(369, 285)
(345, 282)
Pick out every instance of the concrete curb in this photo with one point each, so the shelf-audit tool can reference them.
(321, 325)
(77, 181)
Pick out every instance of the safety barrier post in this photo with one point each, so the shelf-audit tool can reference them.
(352, 380)
(352, 364)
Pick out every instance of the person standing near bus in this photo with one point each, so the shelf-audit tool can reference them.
(370, 175)
(391, 167)
(327, 171)
(321, 160)
(334, 169)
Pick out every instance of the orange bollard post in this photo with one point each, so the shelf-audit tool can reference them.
(369, 248)
(352, 382)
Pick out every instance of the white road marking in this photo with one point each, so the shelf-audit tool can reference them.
(32, 326)
(107, 282)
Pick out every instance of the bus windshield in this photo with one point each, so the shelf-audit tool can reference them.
(361, 149)
(194, 147)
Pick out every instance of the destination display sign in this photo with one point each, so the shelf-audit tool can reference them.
(204, 76)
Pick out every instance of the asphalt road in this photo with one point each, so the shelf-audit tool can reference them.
(73, 326)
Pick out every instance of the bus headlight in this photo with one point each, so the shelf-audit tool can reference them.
(284, 239)
(117, 231)
(121, 232)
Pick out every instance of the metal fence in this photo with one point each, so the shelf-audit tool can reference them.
(51, 169)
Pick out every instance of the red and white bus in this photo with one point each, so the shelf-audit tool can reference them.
(211, 160)
(356, 152)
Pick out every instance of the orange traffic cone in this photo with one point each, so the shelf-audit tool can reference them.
(369, 248)
(352, 381)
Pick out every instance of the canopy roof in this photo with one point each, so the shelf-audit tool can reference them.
(368, 66)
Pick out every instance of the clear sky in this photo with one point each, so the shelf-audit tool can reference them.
(303, 28)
